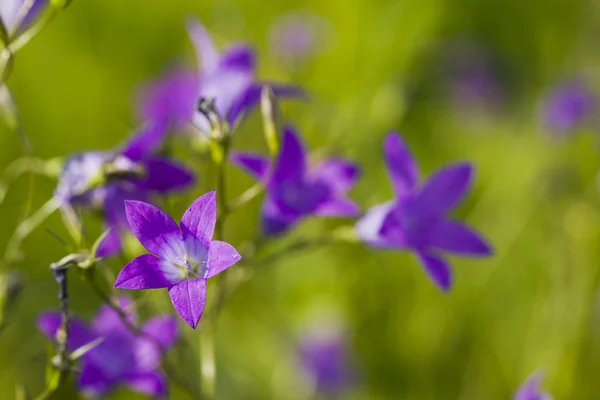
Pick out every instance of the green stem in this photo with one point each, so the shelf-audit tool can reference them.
(26, 227)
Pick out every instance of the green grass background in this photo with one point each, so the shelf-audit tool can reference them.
(534, 305)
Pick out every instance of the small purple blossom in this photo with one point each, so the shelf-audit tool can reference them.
(568, 106)
(324, 356)
(121, 357)
(296, 36)
(11, 12)
(183, 257)
(228, 77)
(417, 218)
(86, 181)
(473, 78)
(296, 189)
(531, 389)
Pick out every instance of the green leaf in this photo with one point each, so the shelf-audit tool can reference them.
(3, 34)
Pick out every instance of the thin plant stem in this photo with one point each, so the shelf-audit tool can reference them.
(26, 227)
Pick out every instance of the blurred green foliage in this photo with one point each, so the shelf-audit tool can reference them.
(534, 305)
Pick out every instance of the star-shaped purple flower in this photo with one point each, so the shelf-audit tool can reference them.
(417, 219)
(183, 257)
(531, 390)
(568, 106)
(121, 357)
(296, 189)
(228, 77)
(85, 182)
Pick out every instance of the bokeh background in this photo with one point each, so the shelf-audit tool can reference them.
(462, 80)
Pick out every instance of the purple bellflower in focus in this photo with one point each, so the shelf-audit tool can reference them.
(103, 180)
(417, 218)
(531, 390)
(183, 257)
(121, 357)
(325, 358)
(296, 189)
(567, 107)
(228, 78)
(16, 18)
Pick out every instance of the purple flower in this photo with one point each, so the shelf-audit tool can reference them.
(11, 13)
(105, 179)
(324, 357)
(568, 106)
(227, 77)
(296, 189)
(417, 218)
(473, 77)
(531, 389)
(183, 258)
(298, 35)
(121, 357)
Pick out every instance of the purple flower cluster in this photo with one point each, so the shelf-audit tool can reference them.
(121, 357)
(211, 101)
(531, 390)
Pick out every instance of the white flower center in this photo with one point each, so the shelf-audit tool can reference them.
(182, 260)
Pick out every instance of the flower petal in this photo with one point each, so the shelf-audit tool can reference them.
(143, 272)
(273, 221)
(200, 218)
(108, 322)
(238, 56)
(110, 245)
(250, 99)
(163, 329)
(171, 98)
(151, 383)
(256, 165)
(368, 228)
(338, 208)
(150, 225)
(291, 163)
(165, 176)
(402, 167)
(225, 86)
(146, 141)
(444, 190)
(339, 174)
(79, 334)
(189, 298)
(454, 237)
(221, 256)
(206, 51)
(531, 389)
(93, 383)
(438, 269)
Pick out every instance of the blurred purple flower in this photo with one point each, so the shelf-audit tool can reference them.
(183, 258)
(229, 78)
(105, 179)
(417, 218)
(121, 357)
(16, 19)
(296, 189)
(325, 358)
(298, 35)
(473, 78)
(531, 389)
(568, 106)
